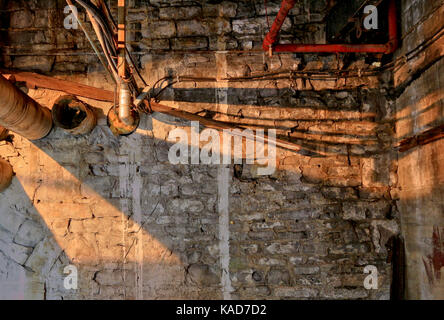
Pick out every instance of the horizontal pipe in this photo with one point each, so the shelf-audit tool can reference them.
(5, 174)
(287, 5)
(21, 114)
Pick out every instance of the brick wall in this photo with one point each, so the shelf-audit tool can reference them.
(137, 226)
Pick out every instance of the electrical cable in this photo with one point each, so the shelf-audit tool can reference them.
(103, 62)
(104, 36)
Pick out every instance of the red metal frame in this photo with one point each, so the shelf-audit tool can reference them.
(287, 5)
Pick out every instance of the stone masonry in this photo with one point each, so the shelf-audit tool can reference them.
(138, 227)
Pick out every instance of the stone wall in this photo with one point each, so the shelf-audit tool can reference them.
(138, 227)
(420, 107)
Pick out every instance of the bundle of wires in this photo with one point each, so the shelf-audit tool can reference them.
(106, 32)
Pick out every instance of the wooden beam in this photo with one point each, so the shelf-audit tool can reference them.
(421, 139)
(34, 80)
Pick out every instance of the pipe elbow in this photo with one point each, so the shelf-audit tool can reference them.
(392, 45)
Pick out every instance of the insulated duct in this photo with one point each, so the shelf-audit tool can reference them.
(21, 114)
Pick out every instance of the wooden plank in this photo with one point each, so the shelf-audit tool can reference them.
(421, 139)
(35, 80)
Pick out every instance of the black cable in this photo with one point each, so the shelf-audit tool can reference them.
(105, 34)
(98, 16)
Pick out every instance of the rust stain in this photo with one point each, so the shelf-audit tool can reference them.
(434, 262)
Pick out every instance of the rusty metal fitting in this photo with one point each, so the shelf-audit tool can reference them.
(118, 127)
(73, 115)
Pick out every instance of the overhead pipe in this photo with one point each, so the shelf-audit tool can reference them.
(287, 5)
(6, 174)
(21, 114)
(125, 98)
(123, 120)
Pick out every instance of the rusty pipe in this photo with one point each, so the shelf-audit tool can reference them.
(393, 42)
(6, 174)
(287, 5)
(73, 115)
(21, 114)
(125, 97)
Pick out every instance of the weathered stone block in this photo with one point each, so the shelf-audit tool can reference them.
(202, 275)
(189, 43)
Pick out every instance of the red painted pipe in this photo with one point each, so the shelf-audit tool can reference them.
(393, 28)
(287, 5)
(271, 36)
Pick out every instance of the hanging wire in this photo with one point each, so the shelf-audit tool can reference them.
(103, 62)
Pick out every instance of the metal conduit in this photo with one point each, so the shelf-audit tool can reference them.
(287, 5)
(21, 114)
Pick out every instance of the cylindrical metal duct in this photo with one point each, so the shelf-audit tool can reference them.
(21, 114)
(73, 115)
(5, 174)
(125, 102)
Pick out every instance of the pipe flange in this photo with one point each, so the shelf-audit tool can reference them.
(73, 115)
(119, 128)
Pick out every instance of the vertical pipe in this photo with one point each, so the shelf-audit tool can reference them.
(121, 38)
(125, 98)
(393, 27)
(21, 114)
(5, 174)
(271, 36)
